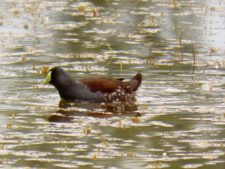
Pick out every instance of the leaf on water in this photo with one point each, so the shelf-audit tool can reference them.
(19, 140)
(66, 150)
(105, 143)
(87, 130)
(23, 58)
(94, 156)
(2, 146)
(130, 154)
(44, 70)
(212, 8)
(9, 125)
(81, 7)
(13, 115)
(135, 119)
(213, 50)
(94, 12)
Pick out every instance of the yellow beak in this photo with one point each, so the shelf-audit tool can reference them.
(48, 78)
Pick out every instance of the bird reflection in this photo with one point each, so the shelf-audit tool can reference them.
(69, 110)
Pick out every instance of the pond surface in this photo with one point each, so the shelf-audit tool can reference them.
(179, 117)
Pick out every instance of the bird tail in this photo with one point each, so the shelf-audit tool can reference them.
(135, 82)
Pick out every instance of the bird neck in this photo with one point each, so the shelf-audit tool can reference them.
(65, 86)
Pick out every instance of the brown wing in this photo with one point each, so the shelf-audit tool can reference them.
(102, 84)
(108, 85)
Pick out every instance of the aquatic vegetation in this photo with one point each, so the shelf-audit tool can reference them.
(177, 120)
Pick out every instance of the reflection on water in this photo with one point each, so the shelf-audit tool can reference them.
(69, 110)
(178, 119)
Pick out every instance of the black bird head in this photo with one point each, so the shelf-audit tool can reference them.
(57, 77)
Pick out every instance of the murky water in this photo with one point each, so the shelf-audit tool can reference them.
(178, 46)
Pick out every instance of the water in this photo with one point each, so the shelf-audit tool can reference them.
(178, 120)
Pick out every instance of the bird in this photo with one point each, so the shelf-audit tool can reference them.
(93, 89)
